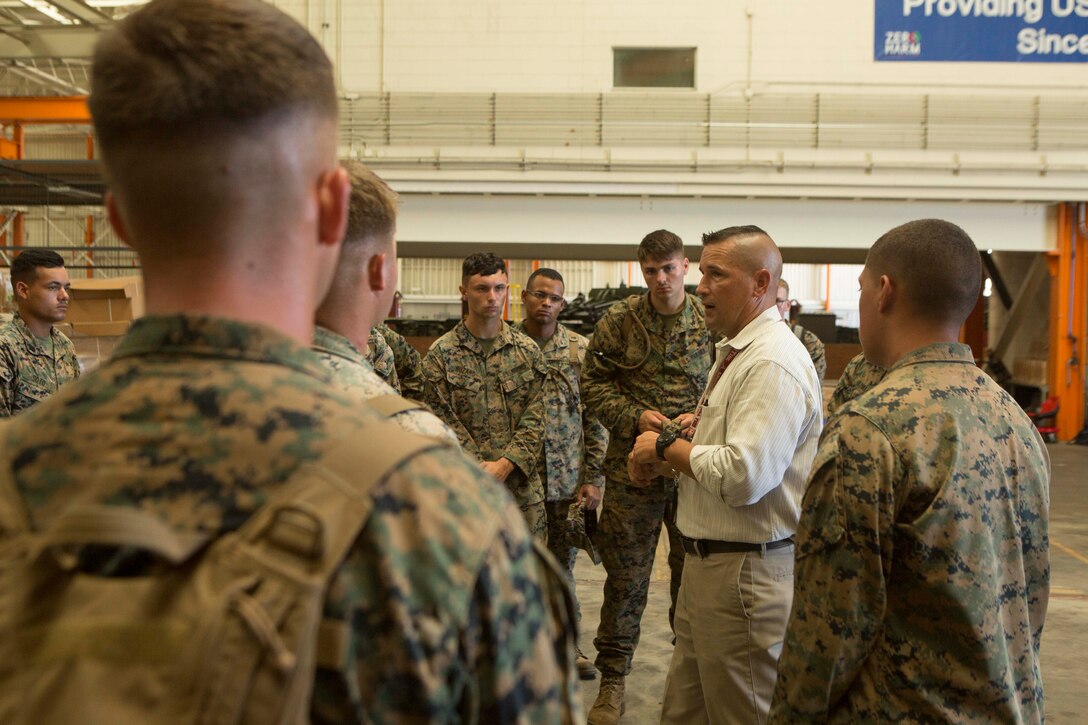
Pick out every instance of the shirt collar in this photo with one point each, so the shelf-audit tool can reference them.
(558, 341)
(753, 330)
(333, 343)
(465, 338)
(29, 336)
(217, 337)
(954, 352)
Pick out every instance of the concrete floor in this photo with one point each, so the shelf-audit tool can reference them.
(1065, 637)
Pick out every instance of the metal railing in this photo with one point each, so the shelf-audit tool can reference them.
(869, 121)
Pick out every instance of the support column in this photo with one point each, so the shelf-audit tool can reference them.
(18, 229)
(1069, 318)
(88, 232)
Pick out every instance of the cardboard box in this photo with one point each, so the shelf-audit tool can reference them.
(99, 313)
(96, 301)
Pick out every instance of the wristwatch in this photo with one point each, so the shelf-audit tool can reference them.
(666, 439)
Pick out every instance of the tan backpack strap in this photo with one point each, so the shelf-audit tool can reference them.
(121, 526)
(391, 404)
(305, 531)
(320, 523)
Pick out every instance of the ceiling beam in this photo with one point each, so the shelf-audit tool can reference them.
(46, 79)
(81, 12)
(50, 109)
(76, 41)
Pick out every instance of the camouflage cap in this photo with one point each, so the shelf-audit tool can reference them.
(581, 527)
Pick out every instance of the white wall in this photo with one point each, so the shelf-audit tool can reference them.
(526, 222)
(566, 45)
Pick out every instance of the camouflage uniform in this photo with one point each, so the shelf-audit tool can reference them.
(670, 380)
(380, 357)
(857, 377)
(197, 420)
(814, 346)
(494, 404)
(407, 362)
(352, 372)
(574, 443)
(29, 373)
(931, 493)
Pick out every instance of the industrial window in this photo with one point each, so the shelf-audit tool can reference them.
(653, 67)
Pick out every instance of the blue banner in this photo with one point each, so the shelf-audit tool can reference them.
(1025, 31)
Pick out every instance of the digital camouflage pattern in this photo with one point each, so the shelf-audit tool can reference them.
(30, 370)
(380, 357)
(574, 442)
(407, 362)
(670, 380)
(351, 372)
(197, 420)
(857, 377)
(815, 349)
(922, 573)
(495, 405)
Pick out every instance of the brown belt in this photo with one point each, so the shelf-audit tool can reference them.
(704, 547)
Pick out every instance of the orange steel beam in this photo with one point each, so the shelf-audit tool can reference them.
(89, 238)
(8, 149)
(60, 109)
(1069, 319)
(827, 289)
(18, 230)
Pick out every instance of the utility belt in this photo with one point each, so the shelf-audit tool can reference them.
(705, 547)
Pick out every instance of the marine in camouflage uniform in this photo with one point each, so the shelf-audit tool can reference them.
(32, 369)
(857, 377)
(380, 357)
(407, 361)
(493, 402)
(814, 346)
(574, 442)
(931, 490)
(199, 420)
(787, 307)
(351, 371)
(670, 378)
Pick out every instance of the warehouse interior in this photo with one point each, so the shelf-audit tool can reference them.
(557, 134)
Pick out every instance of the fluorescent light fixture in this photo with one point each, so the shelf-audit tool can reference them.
(115, 3)
(49, 11)
(987, 288)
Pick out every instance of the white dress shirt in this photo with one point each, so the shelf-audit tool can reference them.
(755, 441)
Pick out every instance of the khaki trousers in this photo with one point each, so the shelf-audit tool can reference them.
(730, 621)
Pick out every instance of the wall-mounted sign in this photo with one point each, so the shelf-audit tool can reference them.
(1032, 31)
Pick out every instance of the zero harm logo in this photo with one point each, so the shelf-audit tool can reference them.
(902, 43)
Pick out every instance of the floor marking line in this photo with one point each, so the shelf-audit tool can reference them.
(1072, 552)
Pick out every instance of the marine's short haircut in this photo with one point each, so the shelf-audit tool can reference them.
(25, 266)
(743, 230)
(660, 245)
(484, 264)
(784, 285)
(372, 210)
(202, 68)
(547, 273)
(935, 263)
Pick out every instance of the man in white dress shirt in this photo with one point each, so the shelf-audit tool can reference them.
(740, 486)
